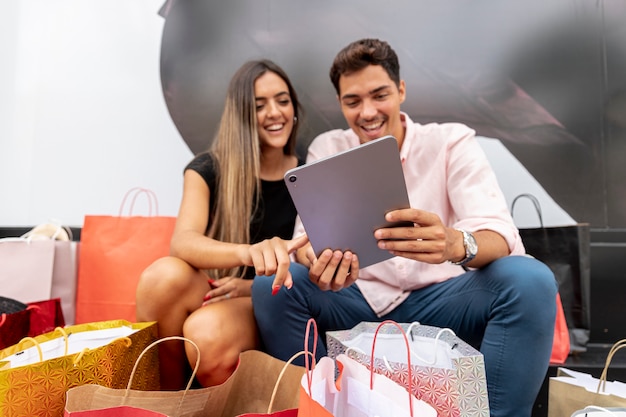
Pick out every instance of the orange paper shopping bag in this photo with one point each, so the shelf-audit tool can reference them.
(114, 251)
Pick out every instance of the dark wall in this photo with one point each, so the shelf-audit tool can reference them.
(546, 78)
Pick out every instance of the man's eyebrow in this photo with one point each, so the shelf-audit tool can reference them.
(371, 92)
(349, 96)
(379, 89)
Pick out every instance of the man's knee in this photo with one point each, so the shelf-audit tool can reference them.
(524, 272)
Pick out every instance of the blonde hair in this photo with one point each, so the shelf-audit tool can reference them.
(237, 156)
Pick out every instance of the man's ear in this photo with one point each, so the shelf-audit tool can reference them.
(402, 91)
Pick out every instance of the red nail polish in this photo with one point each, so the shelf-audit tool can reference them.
(211, 281)
(207, 297)
(275, 290)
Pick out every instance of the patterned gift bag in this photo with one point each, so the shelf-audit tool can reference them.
(36, 372)
(447, 373)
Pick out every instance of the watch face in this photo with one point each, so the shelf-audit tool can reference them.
(470, 244)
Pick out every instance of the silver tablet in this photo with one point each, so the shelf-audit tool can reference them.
(343, 198)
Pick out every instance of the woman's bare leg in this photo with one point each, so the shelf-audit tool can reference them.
(222, 331)
(169, 290)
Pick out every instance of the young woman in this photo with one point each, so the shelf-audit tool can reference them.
(235, 221)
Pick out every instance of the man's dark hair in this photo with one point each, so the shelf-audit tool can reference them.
(360, 54)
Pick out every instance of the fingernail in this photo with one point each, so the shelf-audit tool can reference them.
(275, 289)
(207, 297)
(210, 281)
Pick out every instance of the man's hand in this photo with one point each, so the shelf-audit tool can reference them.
(432, 242)
(334, 270)
(427, 241)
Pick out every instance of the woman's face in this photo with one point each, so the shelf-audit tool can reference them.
(274, 110)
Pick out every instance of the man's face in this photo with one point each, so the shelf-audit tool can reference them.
(370, 102)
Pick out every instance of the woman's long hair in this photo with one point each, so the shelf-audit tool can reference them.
(237, 153)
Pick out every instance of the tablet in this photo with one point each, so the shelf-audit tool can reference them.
(343, 198)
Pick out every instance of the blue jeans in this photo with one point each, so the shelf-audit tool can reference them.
(506, 310)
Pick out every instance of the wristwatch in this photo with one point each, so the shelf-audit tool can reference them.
(471, 248)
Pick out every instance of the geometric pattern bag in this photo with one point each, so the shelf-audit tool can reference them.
(446, 372)
(36, 373)
(359, 390)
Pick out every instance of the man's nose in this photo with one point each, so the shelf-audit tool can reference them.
(368, 110)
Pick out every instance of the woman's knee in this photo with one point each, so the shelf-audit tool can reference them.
(166, 276)
(221, 333)
(165, 284)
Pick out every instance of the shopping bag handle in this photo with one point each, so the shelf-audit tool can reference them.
(609, 357)
(409, 331)
(535, 202)
(37, 345)
(42, 232)
(135, 192)
(435, 343)
(280, 377)
(593, 408)
(310, 366)
(150, 346)
(80, 354)
(408, 358)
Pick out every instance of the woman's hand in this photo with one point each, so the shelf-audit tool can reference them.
(271, 257)
(227, 288)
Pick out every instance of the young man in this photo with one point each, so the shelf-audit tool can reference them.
(503, 304)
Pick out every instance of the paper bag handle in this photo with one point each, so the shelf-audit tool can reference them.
(600, 409)
(136, 191)
(280, 377)
(535, 202)
(617, 346)
(309, 367)
(408, 358)
(150, 346)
